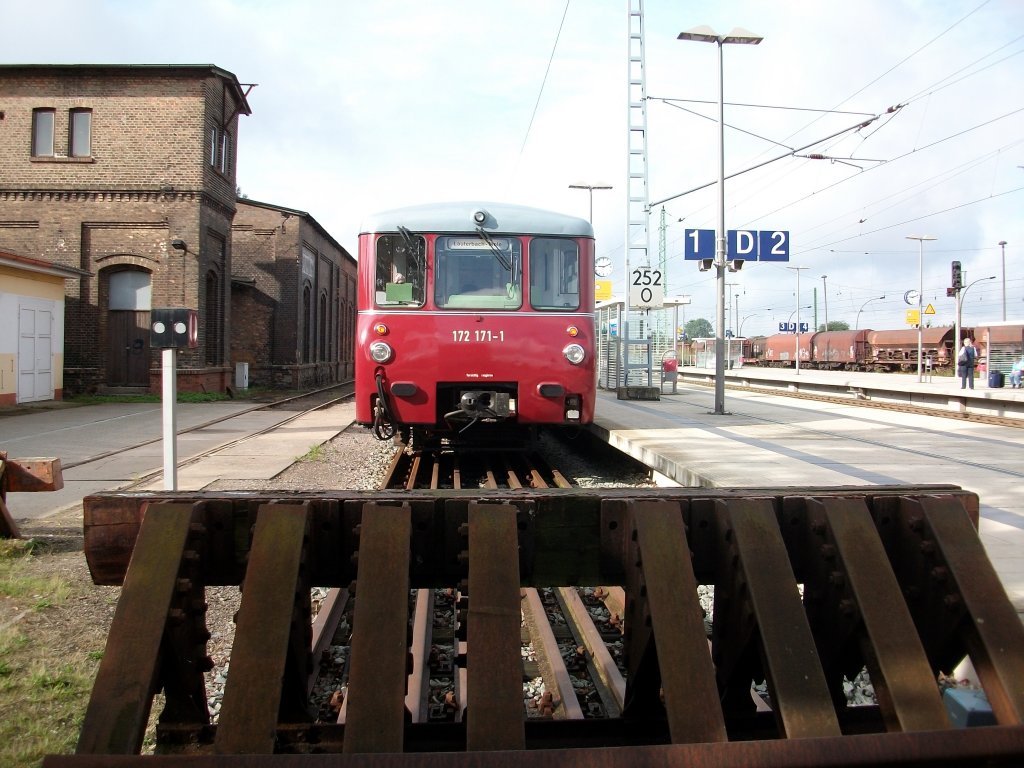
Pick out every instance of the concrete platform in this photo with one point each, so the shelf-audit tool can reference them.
(773, 440)
(934, 391)
(132, 436)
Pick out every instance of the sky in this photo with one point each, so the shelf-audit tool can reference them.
(367, 106)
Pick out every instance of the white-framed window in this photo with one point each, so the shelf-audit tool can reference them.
(225, 153)
(214, 144)
(80, 133)
(42, 132)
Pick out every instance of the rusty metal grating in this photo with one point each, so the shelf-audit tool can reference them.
(894, 579)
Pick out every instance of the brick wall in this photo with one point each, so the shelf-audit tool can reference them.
(268, 244)
(147, 181)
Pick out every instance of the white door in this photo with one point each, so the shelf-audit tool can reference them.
(35, 351)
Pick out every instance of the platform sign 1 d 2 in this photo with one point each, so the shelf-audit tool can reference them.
(745, 244)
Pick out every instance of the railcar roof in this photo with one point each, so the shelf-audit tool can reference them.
(502, 218)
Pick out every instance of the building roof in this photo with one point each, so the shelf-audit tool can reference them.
(298, 214)
(229, 77)
(42, 266)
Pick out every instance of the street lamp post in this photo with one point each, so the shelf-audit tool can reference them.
(797, 270)
(824, 289)
(920, 295)
(856, 325)
(705, 34)
(1002, 244)
(756, 314)
(590, 188)
(960, 306)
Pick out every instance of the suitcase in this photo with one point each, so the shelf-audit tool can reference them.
(995, 379)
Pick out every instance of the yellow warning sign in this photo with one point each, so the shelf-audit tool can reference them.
(929, 310)
(602, 290)
(912, 317)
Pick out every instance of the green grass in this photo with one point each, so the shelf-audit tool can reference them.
(40, 591)
(43, 689)
(315, 453)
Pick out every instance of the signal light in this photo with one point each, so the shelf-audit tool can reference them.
(573, 331)
(380, 329)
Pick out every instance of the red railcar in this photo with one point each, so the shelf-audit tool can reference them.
(839, 349)
(780, 350)
(474, 320)
(897, 350)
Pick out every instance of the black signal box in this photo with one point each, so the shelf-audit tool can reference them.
(174, 328)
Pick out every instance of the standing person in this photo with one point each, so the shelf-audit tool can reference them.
(965, 364)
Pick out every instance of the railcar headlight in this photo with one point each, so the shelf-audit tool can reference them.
(574, 354)
(381, 352)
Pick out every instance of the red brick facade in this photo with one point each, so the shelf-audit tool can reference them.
(159, 166)
(293, 299)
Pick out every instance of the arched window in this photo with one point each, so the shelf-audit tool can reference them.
(322, 327)
(307, 323)
(214, 322)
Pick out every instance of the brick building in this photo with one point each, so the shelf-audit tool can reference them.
(102, 168)
(293, 297)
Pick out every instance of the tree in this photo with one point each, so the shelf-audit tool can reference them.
(699, 328)
(835, 325)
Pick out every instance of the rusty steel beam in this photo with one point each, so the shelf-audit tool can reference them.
(252, 696)
(995, 635)
(988, 747)
(796, 680)
(118, 710)
(494, 699)
(900, 673)
(674, 615)
(377, 677)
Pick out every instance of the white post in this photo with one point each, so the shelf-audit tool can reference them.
(169, 399)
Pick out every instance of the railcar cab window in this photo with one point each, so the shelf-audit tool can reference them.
(554, 273)
(401, 270)
(473, 272)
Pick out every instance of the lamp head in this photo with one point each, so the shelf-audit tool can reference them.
(179, 245)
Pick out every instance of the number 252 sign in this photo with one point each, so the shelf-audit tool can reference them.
(646, 288)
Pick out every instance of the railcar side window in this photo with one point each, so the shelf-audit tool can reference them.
(473, 273)
(401, 271)
(554, 273)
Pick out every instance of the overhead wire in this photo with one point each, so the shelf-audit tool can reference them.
(540, 93)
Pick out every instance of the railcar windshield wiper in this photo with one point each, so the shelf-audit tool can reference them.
(414, 245)
(505, 263)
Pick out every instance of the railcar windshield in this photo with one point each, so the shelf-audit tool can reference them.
(401, 270)
(554, 273)
(473, 273)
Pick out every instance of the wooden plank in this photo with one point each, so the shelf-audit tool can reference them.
(908, 696)
(592, 640)
(687, 674)
(33, 475)
(115, 720)
(252, 696)
(494, 706)
(996, 635)
(8, 528)
(800, 695)
(377, 677)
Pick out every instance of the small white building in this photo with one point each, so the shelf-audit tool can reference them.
(32, 328)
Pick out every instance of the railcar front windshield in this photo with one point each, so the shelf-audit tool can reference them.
(476, 273)
(554, 273)
(401, 270)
